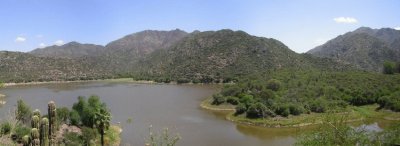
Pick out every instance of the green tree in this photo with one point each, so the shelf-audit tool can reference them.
(389, 67)
(23, 112)
(75, 118)
(63, 114)
(274, 84)
(103, 118)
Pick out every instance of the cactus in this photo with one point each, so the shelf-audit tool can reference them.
(35, 122)
(36, 113)
(52, 122)
(44, 132)
(25, 140)
(35, 137)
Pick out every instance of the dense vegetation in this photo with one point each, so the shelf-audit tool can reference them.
(290, 92)
(225, 56)
(163, 56)
(85, 124)
(335, 131)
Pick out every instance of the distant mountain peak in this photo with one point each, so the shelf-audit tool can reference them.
(69, 50)
(364, 47)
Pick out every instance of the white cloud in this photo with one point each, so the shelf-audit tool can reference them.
(59, 42)
(348, 20)
(42, 45)
(397, 28)
(20, 39)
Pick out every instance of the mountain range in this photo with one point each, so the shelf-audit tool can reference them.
(365, 48)
(198, 56)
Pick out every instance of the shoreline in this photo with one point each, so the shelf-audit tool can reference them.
(299, 121)
(80, 81)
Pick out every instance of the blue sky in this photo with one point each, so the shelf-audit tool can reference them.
(300, 24)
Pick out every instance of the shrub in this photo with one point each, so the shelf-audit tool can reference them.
(218, 99)
(258, 110)
(240, 109)
(296, 109)
(274, 84)
(63, 114)
(23, 112)
(74, 118)
(319, 105)
(21, 130)
(182, 81)
(389, 67)
(5, 128)
(232, 100)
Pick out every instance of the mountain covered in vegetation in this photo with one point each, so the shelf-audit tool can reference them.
(69, 50)
(24, 67)
(365, 48)
(210, 56)
(215, 56)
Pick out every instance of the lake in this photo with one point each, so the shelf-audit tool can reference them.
(175, 107)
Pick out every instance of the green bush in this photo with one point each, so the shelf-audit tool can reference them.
(5, 128)
(240, 109)
(21, 130)
(218, 99)
(282, 110)
(74, 118)
(274, 84)
(296, 109)
(63, 115)
(318, 105)
(182, 81)
(389, 67)
(232, 100)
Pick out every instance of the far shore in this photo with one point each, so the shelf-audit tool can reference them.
(81, 81)
(357, 114)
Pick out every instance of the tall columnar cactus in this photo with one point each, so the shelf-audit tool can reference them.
(35, 137)
(52, 121)
(44, 132)
(25, 140)
(35, 122)
(36, 112)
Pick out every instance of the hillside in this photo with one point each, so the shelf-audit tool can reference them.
(24, 67)
(69, 50)
(210, 56)
(366, 48)
(223, 55)
(121, 55)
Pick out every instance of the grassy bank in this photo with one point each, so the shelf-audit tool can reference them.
(352, 114)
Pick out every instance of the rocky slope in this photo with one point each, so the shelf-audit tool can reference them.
(366, 48)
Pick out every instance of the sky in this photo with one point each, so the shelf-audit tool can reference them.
(300, 24)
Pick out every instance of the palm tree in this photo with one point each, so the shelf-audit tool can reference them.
(102, 118)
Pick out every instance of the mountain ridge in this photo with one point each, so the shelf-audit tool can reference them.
(364, 47)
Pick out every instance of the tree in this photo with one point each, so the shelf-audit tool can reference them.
(103, 118)
(74, 118)
(23, 112)
(274, 84)
(389, 67)
(63, 114)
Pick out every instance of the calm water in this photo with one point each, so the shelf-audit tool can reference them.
(172, 106)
